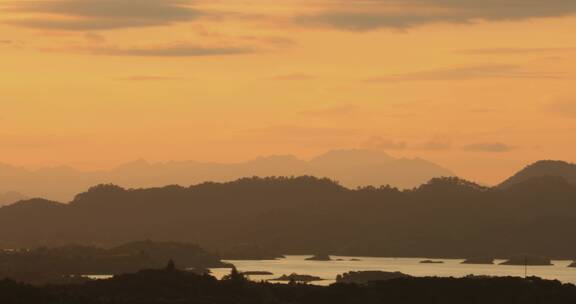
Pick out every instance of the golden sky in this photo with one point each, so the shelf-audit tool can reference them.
(482, 87)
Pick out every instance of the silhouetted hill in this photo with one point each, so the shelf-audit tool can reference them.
(8, 198)
(319, 257)
(294, 277)
(544, 168)
(351, 167)
(523, 260)
(170, 286)
(47, 265)
(479, 261)
(446, 217)
(365, 277)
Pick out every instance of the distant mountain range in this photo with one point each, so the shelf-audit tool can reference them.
(351, 168)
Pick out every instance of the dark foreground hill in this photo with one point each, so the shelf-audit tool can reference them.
(171, 287)
(60, 264)
(446, 217)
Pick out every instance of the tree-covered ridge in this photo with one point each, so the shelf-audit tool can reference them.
(170, 286)
(446, 217)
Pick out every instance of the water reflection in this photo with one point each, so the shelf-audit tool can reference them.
(412, 266)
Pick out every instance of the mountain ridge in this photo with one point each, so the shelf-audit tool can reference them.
(352, 168)
(445, 218)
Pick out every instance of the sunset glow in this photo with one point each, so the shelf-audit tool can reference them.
(480, 87)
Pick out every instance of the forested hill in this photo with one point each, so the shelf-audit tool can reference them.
(446, 217)
(171, 286)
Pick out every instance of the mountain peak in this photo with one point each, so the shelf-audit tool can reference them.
(543, 168)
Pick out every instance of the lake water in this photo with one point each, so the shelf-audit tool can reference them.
(328, 270)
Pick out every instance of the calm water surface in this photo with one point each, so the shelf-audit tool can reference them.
(451, 268)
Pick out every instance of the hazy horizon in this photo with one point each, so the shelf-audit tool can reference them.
(351, 168)
(480, 87)
(512, 167)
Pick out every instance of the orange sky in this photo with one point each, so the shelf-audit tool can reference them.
(481, 87)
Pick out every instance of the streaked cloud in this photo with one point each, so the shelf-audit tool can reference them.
(466, 73)
(167, 50)
(374, 14)
(12, 141)
(85, 15)
(564, 107)
(94, 37)
(384, 143)
(434, 145)
(297, 131)
(495, 147)
(151, 78)
(381, 143)
(342, 110)
(513, 51)
(294, 76)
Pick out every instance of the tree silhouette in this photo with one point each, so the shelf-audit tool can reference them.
(171, 266)
(235, 276)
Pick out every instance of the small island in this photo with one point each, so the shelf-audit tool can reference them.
(479, 261)
(75, 262)
(363, 277)
(528, 260)
(431, 262)
(303, 278)
(319, 257)
(355, 260)
(573, 265)
(262, 273)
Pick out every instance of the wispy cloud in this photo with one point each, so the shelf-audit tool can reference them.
(150, 78)
(381, 143)
(166, 50)
(84, 15)
(374, 14)
(302, 131)
(294, 76)
(94, 37)
(434, 145)
(341, 110)
(467, 73)
(18, 142)
(513, 51)
(495, 147)
(564, 107)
